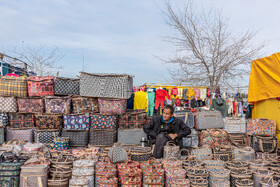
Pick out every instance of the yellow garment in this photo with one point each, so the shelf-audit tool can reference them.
(264, 80)
(174, 97)
(180, 93)
(190, 93)
(141, 100)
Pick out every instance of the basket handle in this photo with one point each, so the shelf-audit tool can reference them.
(171, 143)
(271, 150)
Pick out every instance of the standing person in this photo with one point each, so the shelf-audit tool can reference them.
(165, 128)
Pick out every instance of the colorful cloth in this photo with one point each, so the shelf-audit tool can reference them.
(141, 100)
(161, 94)
(151, 103)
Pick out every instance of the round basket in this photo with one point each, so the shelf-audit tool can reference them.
(220, 183)
(58, 182)
(239, 174)
(61, 172)
(237, 165)
(244, 183)
(199, 183)
(214, 164)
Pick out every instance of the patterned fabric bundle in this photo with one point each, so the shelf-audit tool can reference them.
(55, 104)
(61, 143)
(8, 104)
(140, 154)
(30, 105)
(21, 120)
(223, 153)
(40, 86)
(45, 136)
(48, 121)
(83, 105)
(133, 119)
(102, 137)
(131, 136)
(112, 106)
(108, 122)
(4, 119)
(263, 127)
(9, 171)
(191, 140)
(21, 134)
(263, 144)
(13, 86)
(77, 137)
(117, 153)
(214, 137)
(106, 85)
(66, 86)
(76, 122)
(235, 125)
(209, 120)
(171, 150)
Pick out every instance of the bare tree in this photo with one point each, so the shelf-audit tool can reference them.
(39, 60)
(207, 52)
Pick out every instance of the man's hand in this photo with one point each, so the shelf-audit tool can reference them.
(173, 136)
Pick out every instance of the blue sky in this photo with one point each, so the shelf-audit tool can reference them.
(120, 36)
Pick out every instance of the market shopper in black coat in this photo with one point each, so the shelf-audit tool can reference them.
(164, 128)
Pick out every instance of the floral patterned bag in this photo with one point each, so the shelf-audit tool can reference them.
(108, 122)
(214, 137)
(30, 105)
(84, 105)
(40, 86)
(21, 120)
(55, 104)
(76, 122)
(112, 106)
(48, 121)
(263, 127)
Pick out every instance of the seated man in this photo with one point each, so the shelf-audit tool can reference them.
(166, 128)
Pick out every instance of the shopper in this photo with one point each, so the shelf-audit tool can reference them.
(164, 128)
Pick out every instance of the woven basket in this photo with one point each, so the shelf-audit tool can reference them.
(239, 174)
(220, 183)
(202, 153)
(223, 153)
(140, 154)
(261, 175)
(57, 182)
(237, 165)
(258, 164)
(61, 172)
(244, 183)
(171, 150)
(218, 173)
(269, 183)
(62, 162)
(199, 183)
(214, 164)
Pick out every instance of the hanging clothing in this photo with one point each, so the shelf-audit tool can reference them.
(191, 92)
(184, 95)
(230, 106)
(170, 91)
(141, 100)
(130, 102)
(151, 103)
(177, 102)
(240, 109)
(180, 93)
(161, 94)
(220, 105)
(203, 94)
(168, 102)
(208, 92)
(175, 91)
(197, 93)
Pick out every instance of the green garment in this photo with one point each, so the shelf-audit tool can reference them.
(151, 103)
(220, 105)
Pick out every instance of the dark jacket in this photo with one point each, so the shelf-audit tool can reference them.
(152, 129)
(220, 105)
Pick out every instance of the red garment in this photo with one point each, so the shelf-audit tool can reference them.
(234, 107)
(208, 92)
(159, 103)
(12, 75)
(177, 102)
(160, 95)
(174, 91)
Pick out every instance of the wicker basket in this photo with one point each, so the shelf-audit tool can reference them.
(244, 183)
(218, 173)
(171, 150)
(58, 182)
(239, 174)
(220, 183)
(199, 183)
(261, 175)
